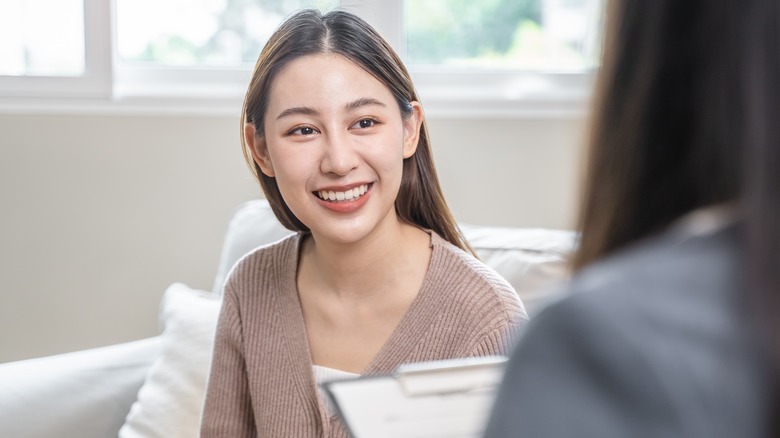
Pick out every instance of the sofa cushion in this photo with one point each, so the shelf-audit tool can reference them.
(253, 224)
(83, 394)
(169, 403)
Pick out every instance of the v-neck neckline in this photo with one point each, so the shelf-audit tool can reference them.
(393, 348)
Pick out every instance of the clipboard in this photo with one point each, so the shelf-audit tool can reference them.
(439, 399)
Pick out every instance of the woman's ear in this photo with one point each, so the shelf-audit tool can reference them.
(259, 149)
(412, 125)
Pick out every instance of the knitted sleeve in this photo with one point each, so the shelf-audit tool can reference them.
(498, 342)
(506, 317)
(228, 408)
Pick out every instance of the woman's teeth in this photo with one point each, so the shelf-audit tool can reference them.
(349, 195)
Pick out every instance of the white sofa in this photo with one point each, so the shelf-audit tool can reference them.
(88, 394)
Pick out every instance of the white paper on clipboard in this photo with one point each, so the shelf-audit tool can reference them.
(440, 399)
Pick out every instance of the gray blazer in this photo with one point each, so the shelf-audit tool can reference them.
(652, 342)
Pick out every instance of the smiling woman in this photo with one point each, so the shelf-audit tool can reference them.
(378, 274)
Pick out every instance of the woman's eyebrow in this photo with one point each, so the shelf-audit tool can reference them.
(305, 110)
(363, 101)
(350, 106)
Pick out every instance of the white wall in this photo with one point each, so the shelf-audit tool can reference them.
(101, 213)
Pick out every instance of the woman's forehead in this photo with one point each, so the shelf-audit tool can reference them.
(328, 81)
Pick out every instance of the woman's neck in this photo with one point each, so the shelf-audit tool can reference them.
(356, 269)
(353, 296)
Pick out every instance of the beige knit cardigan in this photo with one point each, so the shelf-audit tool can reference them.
(261, 381)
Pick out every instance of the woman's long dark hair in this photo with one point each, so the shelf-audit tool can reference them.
(420, 199)
(687, 114)
(666, 136)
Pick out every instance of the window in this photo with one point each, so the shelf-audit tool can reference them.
(468, 57)
(25, 44)
(214, 33)
(551, 35)
(503, 57)
(54, 48)
(194, 48)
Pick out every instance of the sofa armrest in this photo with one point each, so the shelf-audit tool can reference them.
(82, 394)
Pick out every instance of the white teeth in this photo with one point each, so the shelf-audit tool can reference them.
(348, 195)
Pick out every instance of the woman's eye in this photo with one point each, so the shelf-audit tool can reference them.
(303, 130)
(364, 123)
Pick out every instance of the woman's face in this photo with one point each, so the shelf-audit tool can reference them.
(335, 141)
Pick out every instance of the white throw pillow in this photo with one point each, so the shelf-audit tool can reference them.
(170, 401)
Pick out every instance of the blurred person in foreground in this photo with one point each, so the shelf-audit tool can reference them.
(670, 328)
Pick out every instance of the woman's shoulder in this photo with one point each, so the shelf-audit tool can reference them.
(665, 293)
(468, 281)
(453, 262)
(264, 262)
(671, 266)
(658, 321)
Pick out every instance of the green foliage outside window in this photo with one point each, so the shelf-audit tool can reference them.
(497, 33)
(516, 34)
(440, 30)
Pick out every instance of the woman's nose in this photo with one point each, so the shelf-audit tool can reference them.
(339, 155)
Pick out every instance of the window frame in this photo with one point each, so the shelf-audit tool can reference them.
(110, 86)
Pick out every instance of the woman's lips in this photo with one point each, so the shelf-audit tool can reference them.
(347, 195)
(344, 201)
